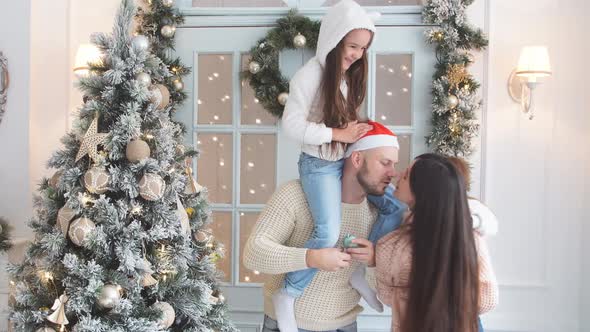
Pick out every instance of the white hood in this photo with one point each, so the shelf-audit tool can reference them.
(340, 19)
(484, 220)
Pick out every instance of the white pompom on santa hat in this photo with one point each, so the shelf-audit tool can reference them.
(377, 137)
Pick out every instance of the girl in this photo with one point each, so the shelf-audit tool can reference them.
(434, 271)
(322, 114)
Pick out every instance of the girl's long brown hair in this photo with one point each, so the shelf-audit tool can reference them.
(444, 279)
(338, 111)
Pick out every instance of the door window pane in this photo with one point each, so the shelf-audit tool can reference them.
(258, 168)
(247, 223)
(252, 112)
(380, 2)
(239, 3)
(214, 102)
(221, 229)
(393, 89)
(214, 166)
(405, 155)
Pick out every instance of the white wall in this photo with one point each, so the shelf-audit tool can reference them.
(536, 169)
(15, 201)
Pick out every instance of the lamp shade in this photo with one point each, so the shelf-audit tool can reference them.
(534, 62)
(87, 53)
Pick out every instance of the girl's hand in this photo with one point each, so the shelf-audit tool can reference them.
(351, 133)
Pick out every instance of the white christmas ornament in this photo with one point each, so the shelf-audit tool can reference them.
(96, 180)
(282, 98)
(167, 31)
(80, 229)
(109, 296)
(140, 42)
(64, 216)
(452, 101)
(168, 3)
(143, 79)
(299, 41)
(151, 187)
(254, 67)
(168, 314)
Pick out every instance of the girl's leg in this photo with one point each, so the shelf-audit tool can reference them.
(321, 183)
(359, 282)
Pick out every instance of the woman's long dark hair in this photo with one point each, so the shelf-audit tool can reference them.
(338, 111)
(444, 278)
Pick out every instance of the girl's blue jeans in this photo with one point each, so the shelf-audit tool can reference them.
(322, 184)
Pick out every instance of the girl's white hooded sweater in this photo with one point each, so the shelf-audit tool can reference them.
(303, 115)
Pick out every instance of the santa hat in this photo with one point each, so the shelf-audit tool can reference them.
(377, 137)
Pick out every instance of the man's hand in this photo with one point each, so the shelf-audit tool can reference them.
(364, 253)
(327, 259)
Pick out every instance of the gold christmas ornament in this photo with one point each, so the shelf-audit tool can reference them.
(137, 150)
(148, 280)
(80, 229)
(456, 75)
(168, 314)
(64, 216)
(55, 179)
(183, 217)
(159, 95)
(299, 41)
(59, 314)
(282, 98)
(96, 180)
(151, 187)
(167, 31)
(140, 43)
(143, 78)
(190, 211)
(90, 141)
(452, 101)
(178, 84)
(109, 297)
(254, 67)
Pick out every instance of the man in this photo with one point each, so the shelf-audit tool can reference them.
(329, 303)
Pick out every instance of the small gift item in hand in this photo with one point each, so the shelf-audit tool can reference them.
(347, 241)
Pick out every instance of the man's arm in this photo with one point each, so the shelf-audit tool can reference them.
(265, 250)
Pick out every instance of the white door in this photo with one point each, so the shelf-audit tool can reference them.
(244, 155)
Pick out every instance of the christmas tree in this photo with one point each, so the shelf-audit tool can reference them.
(120, 238)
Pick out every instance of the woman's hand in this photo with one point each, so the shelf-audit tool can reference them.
(351, 133)
(364, 253)
(327, 259)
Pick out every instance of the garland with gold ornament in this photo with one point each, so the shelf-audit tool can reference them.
(455, 100)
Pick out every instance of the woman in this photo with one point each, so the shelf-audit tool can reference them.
(434, 271)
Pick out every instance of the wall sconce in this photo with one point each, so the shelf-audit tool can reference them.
(532, 65)
(87, 53)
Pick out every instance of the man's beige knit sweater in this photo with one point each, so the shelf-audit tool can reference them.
(275, 247)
